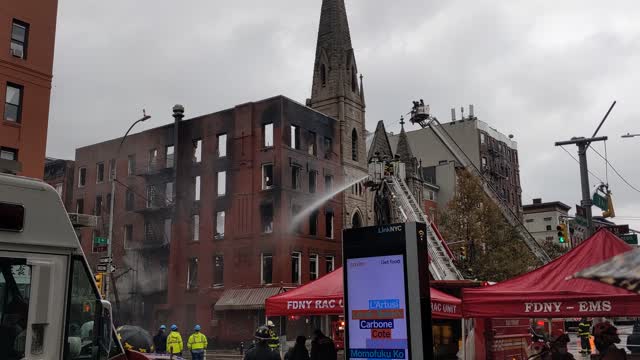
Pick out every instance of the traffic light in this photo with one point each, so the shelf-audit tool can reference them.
(610, 212)
(99, 282)
(562, 233)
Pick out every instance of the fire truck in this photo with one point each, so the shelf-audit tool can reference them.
(50, 307)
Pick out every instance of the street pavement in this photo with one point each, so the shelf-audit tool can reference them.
(574, 346)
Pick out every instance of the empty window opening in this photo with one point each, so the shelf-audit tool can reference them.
(129, 200)
(169, 156)
(267, 130)
(197, 189)
(131, 164)
(153, 159)
(267, 176)
(328, 148)
(311, 146)
(196, 227)
(197, 150)
(328, 221)
(266, 270)
(80, 206)
(112, 169)
(295, 137)
(220, 220)
(167, 231)
(313, 224)
(98, 209)
(266, 215)
(82, 177)
(192, 273)
(100, 172)
(312, 181)
(128, 236)
(222, 183)
(295, 177)
(218, 271)
(313, 267)
(328, 183)
(296, 267)
(222, 145)
(168, 193)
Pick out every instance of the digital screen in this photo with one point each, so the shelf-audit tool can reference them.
(376, 308)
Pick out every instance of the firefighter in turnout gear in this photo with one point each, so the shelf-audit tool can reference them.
(174, 341)
(261, 350)
(197, 344)
(274, 339)
(584, 332)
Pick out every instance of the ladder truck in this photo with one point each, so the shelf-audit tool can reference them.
(420, 115)
(50, 307)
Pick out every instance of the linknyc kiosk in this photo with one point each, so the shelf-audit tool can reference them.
(387, 297)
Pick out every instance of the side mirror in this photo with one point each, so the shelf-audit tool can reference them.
(103, 327)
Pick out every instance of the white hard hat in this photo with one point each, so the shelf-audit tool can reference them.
(270, 323)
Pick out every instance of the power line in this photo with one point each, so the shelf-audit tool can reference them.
(615, 170)
(576, 160)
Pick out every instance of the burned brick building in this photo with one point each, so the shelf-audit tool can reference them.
(208, 243)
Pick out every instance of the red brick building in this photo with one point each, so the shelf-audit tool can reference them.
(59, 174)
(27, 38)
(209, 245)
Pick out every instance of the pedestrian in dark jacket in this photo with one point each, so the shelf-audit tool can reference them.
(322, 348)
(160, 340)
(298, 351)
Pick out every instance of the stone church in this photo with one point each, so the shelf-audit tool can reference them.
(338, 91)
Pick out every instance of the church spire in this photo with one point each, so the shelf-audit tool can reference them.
(335, 71)
(403, 150)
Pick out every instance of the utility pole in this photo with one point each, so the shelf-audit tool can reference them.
(583, 144)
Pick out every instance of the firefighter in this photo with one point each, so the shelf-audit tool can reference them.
(261, 350)
(274, 340)
(174, 341)
(197, 344)
(160, 340)
(584, 332)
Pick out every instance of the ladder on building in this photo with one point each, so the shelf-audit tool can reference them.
(441, 264)
(420, 115)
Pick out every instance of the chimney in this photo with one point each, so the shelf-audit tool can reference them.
(537, 201)
(453, 114)
(471, 111)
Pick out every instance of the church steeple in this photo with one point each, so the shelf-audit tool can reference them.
(335, 71)
(404, 152)
(337, 93)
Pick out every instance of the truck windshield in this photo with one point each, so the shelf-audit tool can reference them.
(81, 314)
(15, 287)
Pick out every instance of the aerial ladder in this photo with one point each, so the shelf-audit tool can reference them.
(420, 115)
(441, 265)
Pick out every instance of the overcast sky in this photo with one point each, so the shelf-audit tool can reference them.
(540, 70)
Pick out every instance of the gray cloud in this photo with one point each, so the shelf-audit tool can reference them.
(543, 71)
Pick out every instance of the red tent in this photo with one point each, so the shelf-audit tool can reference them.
(325, 297)
(545, 292)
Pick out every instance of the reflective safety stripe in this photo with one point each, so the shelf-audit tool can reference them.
(197, 341)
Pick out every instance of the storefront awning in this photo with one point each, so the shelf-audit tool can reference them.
(325, 297)
(546, 292)
(245, 299)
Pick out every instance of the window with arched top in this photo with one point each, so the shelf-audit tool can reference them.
(356, 221)
(323, 74)
(354, 145)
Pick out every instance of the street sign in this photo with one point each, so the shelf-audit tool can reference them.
(617, 230)
(105, 260)
(112, 268)
(631, 239)
(600, 201)
(102, 268)
(581, 212)
(100, 244)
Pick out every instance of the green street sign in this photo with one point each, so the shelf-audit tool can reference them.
(100, 241)
(631, 239)
(581, 221)
(600, 201)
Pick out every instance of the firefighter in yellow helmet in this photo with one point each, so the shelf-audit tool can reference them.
(274, 341)
(174, 341)
(197, 344)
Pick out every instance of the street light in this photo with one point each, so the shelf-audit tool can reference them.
(628, 135)
(145, 117)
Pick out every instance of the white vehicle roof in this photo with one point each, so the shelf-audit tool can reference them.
(46, 222)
